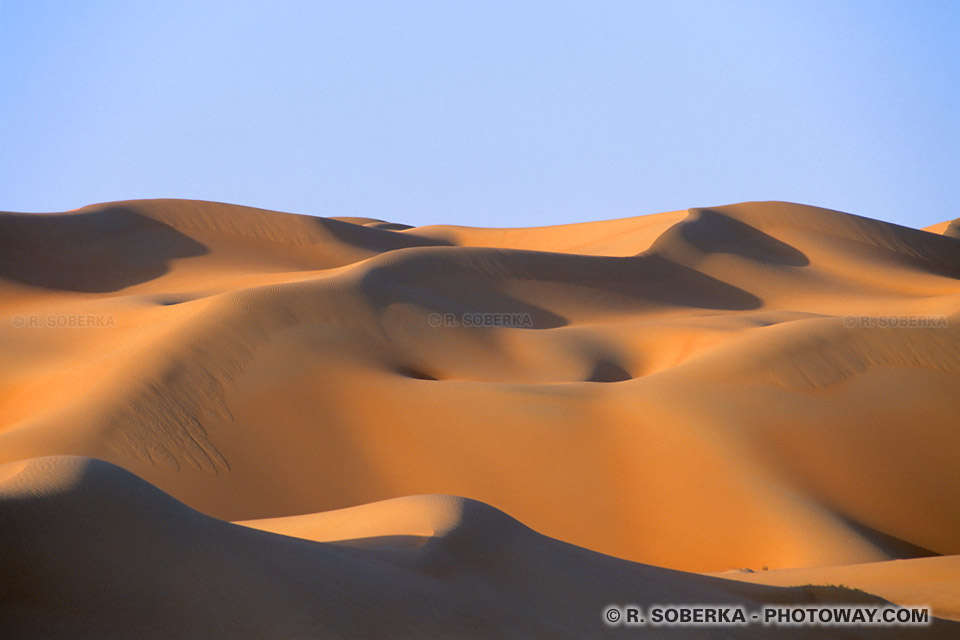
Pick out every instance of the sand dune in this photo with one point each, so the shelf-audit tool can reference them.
(762, 384)
(949, 228)
(109, 555)
(930, 581)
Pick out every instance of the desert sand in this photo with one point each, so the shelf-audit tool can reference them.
(220, 421)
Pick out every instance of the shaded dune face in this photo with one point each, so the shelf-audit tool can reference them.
(706, 231)
(102, 251)
(101, 553)
(719, 388)
(953, 229)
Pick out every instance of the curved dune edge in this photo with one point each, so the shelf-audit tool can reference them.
(95, 551)
(933, 582)
(705, 390)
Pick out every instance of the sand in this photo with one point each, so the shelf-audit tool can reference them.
(379, 407)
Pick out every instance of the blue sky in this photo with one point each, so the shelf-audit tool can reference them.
(489, 113)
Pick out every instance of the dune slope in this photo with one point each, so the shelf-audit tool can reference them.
(103, 554)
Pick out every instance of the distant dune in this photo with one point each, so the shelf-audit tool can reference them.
(755, 386)
(949, 228)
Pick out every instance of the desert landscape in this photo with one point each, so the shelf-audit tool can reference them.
(225, 422)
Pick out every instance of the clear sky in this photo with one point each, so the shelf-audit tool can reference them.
(512, 113)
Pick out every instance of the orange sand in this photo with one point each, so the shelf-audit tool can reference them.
(762, 384)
